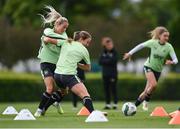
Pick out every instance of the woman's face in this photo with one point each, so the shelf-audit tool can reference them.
(61, 27)
(108, 44)
(164, 37)
(86, 42)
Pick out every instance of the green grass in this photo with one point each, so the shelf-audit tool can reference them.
(70, 120)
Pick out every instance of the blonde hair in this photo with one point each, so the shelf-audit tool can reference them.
(157, 32)
(52, 17)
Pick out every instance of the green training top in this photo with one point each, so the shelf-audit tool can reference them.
(49, 52)
(70, 55)
(158, 55)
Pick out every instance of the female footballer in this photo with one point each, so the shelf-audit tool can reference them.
(72, 52)
(160, 49)
(49, 54)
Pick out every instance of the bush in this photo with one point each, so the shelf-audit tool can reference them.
(29, 87)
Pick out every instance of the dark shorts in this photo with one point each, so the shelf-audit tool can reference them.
(47, 69)
(156, 74)
(64, 81)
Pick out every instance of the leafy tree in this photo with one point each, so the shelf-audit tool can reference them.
(123, 20)
(174, 25)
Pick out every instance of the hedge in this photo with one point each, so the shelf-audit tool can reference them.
(29, 87)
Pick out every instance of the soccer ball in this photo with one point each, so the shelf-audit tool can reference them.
(129, 109)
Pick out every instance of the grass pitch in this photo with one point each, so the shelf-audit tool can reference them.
(70, 120)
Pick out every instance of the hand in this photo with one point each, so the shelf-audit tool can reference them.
(80, 64)
(169, 62)
(127, 56)
(46, 39)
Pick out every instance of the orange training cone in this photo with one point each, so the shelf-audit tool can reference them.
(159, 111)
(83, 112)
(172, 114)
(176, 119)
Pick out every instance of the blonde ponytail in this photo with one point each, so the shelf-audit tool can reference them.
(157, 32)
(51, 16)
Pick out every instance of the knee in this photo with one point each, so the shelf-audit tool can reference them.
(153, 84)
(49, 89)
(49, 86)
(152, 87)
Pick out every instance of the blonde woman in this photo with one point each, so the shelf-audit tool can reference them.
(160, 49)
(49, 55)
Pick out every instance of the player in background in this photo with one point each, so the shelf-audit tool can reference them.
(160, 49)
(49, 54)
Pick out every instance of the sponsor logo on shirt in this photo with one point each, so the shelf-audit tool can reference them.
(158, 56)
(155, 48)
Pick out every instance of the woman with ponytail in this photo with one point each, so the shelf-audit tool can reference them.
(49, 55)
(160, 49)
(72, 52)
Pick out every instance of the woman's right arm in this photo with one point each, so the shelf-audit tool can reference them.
(134, 50)
(137, 48)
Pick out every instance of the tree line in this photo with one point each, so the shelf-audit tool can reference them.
(126, 21)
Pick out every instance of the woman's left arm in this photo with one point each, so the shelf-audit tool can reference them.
(49, 40)
(57, 42)
(173, 57)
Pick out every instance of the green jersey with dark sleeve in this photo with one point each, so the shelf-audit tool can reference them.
(70, 55)
(158, 54)
(49, 52)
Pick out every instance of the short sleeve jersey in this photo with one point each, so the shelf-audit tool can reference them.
(50, 52)
(70, 55)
